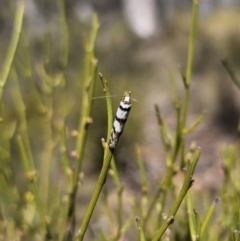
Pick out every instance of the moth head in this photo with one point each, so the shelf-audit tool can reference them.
(127, 96)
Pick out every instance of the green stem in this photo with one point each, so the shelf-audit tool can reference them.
(209, 215)
(103, 174)
(25, 149)
(109, 106)
(47, 154)
(194, 124)
(65, 35)
(231, 72)
(89, 79)
(186, 185)
(12, 46)
(142, 170)
(95, 196)
(191, 44)
(116, 179)
(192, 41)
(140, 229)
(190, 217)
(83, 128)
(65, 158)
(185, 107)
(152, 206)
(31, 177)
(88, 90)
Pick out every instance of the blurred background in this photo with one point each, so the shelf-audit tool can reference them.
(140, 44)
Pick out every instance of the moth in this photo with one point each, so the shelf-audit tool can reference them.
(120, 119)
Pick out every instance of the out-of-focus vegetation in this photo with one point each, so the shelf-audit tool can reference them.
(48, 81)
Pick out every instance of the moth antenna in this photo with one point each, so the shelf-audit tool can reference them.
(146, 107)
(114, 96)
(102, 97)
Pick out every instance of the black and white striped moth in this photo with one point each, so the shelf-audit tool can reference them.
(120, 119)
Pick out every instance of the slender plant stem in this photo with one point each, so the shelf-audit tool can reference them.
(65, 35)
(47, 154)
(109, 106)
(13, 45)
(186, 185)
(190, 217)
(85, 121)
(152, 206)
(95, 196)
(231, 72)
(89, 79)
(190, 60)
(144, 181)
(143, 175)
(116, 179)
(192, 41)
(88, 89)
(140, 229)
(25, 150)
(65, 158)
(195, 124)
(209, 215)
(103, 174)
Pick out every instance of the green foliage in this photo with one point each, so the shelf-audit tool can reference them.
(40, 176)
